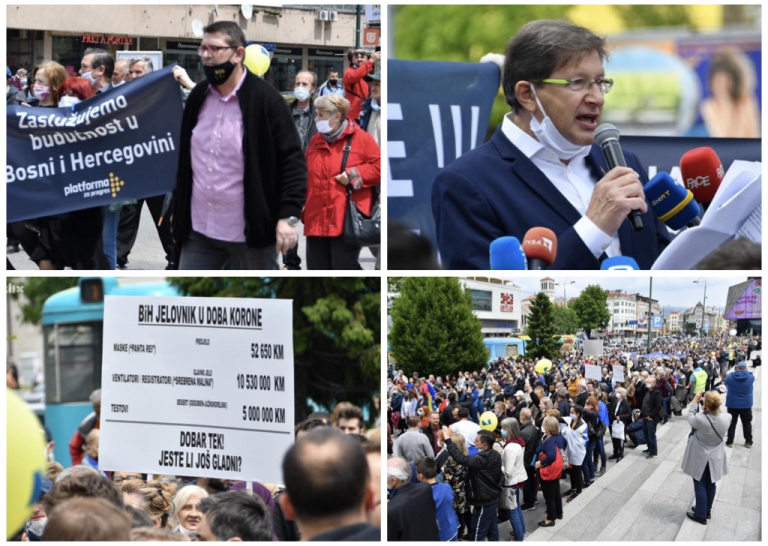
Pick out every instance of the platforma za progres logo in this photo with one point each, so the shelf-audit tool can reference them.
(115, 184)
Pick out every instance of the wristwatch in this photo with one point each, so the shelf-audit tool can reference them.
(292, 221)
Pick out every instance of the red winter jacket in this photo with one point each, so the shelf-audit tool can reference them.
(356, 88)
(326, 205)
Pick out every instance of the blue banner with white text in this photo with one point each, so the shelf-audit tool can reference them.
(428, 129)
(117, 146)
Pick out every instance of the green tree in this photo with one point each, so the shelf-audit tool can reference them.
(541, 329)
(31, 293)
(592, 309)
(433, 328)
(565, 320)
(689, 328)
(336, 332)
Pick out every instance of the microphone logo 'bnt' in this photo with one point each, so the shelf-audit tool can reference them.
(546, 243)
(698, 182)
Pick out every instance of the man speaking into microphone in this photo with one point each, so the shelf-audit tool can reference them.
(542, 167)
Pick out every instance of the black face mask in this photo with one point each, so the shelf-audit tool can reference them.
(333, 82)
(218, 74)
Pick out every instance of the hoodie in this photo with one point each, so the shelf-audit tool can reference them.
(739, 384)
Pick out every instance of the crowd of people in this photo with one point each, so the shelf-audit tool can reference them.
(487, 442)
(250, 168)
(331, 491)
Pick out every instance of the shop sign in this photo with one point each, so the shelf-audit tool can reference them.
(107, 39)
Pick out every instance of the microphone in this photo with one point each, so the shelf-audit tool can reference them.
(702, 173)
(507, 253)
(672, 203)
(607, 136)
(540, 247)
(619, 263)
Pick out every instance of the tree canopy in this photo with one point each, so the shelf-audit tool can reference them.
(433, 328)
(592, 309)
(565, 320)
(541, 329)
(33, 293)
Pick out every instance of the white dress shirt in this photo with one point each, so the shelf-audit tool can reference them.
(574, 181)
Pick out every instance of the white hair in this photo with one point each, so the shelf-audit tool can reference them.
(95, 397)
(583, 383)
(181, 498)
(78, 470)
(399, 469)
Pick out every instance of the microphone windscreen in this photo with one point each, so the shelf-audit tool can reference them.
(507, 254)
(606, 132)
(618, 263)
(672, 203)
(540, 244)
(702, 173)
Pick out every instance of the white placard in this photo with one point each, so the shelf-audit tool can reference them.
(618, 373)
(197, 387)
(593, 347)
(593, 372)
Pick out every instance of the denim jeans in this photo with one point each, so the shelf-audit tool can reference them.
(109, 234)
(705, 490)
(649, 429)
(588, 466)
(517, 520)
(666, 408)
(599, 453)
(202, 253)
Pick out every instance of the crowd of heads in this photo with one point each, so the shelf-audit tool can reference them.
(331, 479)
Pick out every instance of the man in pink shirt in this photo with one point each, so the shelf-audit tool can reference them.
(242, 174)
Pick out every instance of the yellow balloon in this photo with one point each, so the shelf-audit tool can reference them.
(24, 460)
(257, 59)
(488, 421)
(543, 365)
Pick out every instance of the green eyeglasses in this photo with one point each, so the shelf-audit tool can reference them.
(580, 84)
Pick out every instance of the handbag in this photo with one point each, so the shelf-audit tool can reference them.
(554, 470)
(360, 229)
(617, 430)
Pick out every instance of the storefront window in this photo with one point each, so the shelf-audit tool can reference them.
(68, 51)
(24, 48)
(286, 63)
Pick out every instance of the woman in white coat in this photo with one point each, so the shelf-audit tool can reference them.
(576, 435)
(515, 475)
(704, 458)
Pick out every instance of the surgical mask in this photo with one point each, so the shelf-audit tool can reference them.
(37, 527)
(573, 417)
(42, 92)
(550, 137)
(301, 93)
(218, 74)
(504, 433)
(66, 101)
(323, 126)
(192, 535)
(23, 81)
(89, 76)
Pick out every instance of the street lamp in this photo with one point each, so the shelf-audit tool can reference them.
(704, 305)
(565, 283)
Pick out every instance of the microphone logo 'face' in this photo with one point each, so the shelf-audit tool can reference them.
(546, 243)
(698, 182)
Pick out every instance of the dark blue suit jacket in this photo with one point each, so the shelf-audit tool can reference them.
(496, 191)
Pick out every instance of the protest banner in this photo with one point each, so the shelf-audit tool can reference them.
(593, 347)
(197, 387)
(593, 372)
(117, 146)
(618, 373)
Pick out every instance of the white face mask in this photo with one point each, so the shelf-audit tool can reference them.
(323, 126)
(550, 137)
(66, 101)
(37, 527)
(301, 93)
(42, 92)
(89, 76)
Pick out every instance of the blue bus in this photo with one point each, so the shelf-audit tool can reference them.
(73, 322)
(499, 347)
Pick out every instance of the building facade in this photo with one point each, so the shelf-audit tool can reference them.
(673, 321)
(299, 37)
(497, 304)
(623, 309)
(643, 305)
(704, 320)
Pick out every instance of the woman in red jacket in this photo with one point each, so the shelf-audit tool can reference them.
(326, 205)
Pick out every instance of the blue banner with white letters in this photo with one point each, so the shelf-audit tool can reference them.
(438, 111)
(117, 146)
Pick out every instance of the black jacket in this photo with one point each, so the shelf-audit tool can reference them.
(275, 176)
(446, 418)
(483, 484)
(581, 399)
(359, 532)
(530, 434)
(652, 405)
(411, 514)
(625, 413)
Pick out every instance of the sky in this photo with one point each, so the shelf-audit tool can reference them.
(668, 291)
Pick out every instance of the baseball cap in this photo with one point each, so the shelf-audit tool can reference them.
(741, 366)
